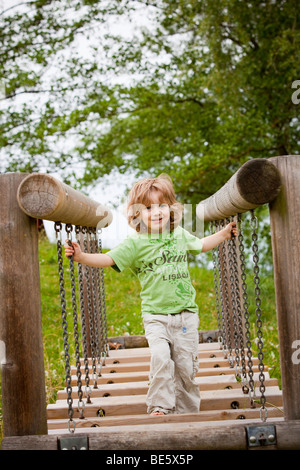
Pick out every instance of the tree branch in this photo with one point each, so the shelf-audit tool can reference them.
(15, 6)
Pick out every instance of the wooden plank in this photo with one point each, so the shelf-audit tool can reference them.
(145, 350)
(215, 415)
(146, 356)
(224, 399)
(210, 400)
(144, 375)
(219, 382)
(204, 363)
(113, 378)
(223, 435)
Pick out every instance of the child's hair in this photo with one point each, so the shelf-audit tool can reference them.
(140, 197)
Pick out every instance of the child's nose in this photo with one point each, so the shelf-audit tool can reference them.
(156, 210)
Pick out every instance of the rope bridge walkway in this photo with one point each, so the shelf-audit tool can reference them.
(233, 383)
(121, 390)
(103, 405)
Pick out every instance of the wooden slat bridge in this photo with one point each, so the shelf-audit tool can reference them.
(117, 417)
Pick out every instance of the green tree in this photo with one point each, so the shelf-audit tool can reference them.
(202, 87)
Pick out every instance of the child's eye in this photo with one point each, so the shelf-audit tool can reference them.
(161, 206)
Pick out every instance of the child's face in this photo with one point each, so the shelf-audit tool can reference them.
(156, 217)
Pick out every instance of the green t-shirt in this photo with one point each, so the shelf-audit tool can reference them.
(160, 263)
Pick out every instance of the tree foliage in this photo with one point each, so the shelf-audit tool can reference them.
(192, 88)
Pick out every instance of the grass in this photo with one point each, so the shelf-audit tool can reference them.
(123, 312)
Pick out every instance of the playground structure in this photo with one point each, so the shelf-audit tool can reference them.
(118, 408)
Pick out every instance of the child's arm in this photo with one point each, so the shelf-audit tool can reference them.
(208, 243)
(96, 260)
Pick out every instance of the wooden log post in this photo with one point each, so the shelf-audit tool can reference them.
(44, 197)
(285, 223)
(22, 359)
(257, 182)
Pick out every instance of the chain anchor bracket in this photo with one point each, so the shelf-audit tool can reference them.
(261, 436)
(74, 443)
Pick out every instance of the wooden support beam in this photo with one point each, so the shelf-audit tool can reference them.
(44, 197)
(257, 182)
(227, 435)
(285, 223)
(22, 365)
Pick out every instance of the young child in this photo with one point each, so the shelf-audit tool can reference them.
(157, 254)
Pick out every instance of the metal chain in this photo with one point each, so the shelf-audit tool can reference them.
(90, 313)
(246, 385)
(240, 329)
(234, 297)
(58, 228)
(103, 300)
(95, 303)
(263, 410)
(102, 354)
(96, 313)
(81, 406)
(217, 290)
(219, 267)
(78, 230)
(225, 297)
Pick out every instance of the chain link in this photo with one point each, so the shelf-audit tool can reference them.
(247, 385)
(240, 352)
(90, 312)
(215, 256)
(225, 300)
(81, 406)
(234, 298)
(93, 272)
(103, 302)
(258, 312)
(58, 228)
(88, 391)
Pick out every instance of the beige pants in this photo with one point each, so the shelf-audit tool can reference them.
(173, 342)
